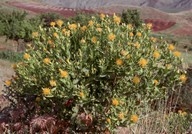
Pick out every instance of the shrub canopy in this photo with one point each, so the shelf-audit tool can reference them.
(97, 75)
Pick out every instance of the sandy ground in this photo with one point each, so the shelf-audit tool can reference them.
(5, 73)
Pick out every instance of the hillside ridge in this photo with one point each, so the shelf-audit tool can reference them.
(165, 5)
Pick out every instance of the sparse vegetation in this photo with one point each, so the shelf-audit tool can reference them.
(11, 56)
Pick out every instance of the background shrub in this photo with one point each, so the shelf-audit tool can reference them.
(80, 18)
(17, 26)
(131, 17)
(47, 18)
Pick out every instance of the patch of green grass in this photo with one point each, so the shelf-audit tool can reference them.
(11, 56)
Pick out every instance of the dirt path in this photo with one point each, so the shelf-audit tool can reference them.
(5, 73)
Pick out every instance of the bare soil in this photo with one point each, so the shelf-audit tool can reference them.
(5, 73)
(159, 25)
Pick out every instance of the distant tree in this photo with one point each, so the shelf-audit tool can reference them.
(131, 17)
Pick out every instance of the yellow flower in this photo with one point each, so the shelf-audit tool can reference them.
(139, 34)
(63, 73)
(91, 23)
(98, 25)
(183, 78)
(35, 34)
(26, 56)
(168, 66)
(131, 34)
(14, 66)
(73, 26)
(129, 26)
(177, 54)
(156, 82)
(134, 118)
(111, 37)
(156, 54)
(136, 80)
(171, 47)
(179, 111)
(137, 45)
(8, 83)
(46, 91)
(38, 99)
(102, 16)
(94, 39)
(128, 56)
(52, 24)
(99, 29)
(59, 23)
(129, 43)
(52, 83)
(184, 113)
(123, 52)
(116, 19)
(119, 62)
(108, 120)
(66, 32)
(81, 94)
(83, 28)
(142, 62)
(47, 61)
(149, 25)
(121, 116)
(55, 35)
(44, 49)
(82, 41)
(153, 39)
(115, 102)
(50, 42)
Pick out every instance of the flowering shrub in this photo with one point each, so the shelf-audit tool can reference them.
(97, 76)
